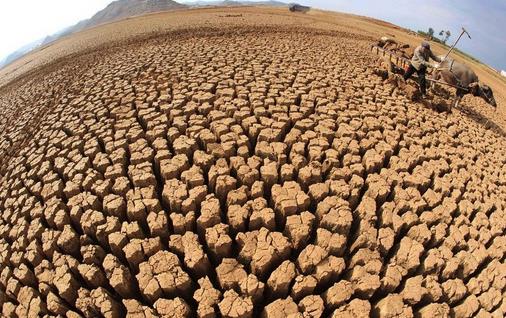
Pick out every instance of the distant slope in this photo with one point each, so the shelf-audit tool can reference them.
(117, 10)
(121, 9)
(20, 52)
(271, 3)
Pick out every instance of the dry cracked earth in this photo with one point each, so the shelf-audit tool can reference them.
(245, 172)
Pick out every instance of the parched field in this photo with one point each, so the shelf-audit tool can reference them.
(240, 170)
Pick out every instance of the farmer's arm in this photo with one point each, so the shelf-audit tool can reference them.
(435, 58)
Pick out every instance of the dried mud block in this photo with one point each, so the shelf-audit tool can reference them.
(392, 306)
(262, 250)
(25, 275)
(207, 298)
(333, 243)
(435, 310)
(230, 273)
(85, 303)
(117, 241)
(172, 168)
(334, 214)
(162, 275)
(303, 286)
(338, 294)
(318, 191)
(105, 303)
(210, 213)
(257, 189)
(203, 160)
(310, 174)
(174, 194)
(298, 228)
(235, 306)
(189, 247)
(237, 217)
(238, 196)
(91, 220)
(182, 223)
(253, 288)
(467, 308)
(310, 257)
(288, 200)
(355, 308)
(413, 291)
(329, 270)
(66, 284)
(56, 305)
(158, 224)
(137, 250)
(269, 173)
(193, 177)
(281, 278)
(219, 241)
(312, 306)
(176, 308)
(119, 276)
(281, 308)
(92, 254)
(408, 254)
(135, 309)
(30, 303)
(261, 215)
(454, 290)
(224, 184)
(365, 280)
(490, 299)
(92, 275)
(115, 205)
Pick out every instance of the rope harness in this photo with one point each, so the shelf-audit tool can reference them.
(457, 80)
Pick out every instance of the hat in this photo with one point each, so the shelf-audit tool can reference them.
(426, 44)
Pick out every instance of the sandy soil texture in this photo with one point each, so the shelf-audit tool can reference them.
(253, 167)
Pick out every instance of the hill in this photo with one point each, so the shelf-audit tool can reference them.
(20, 52)
(115, 11)
(118, 10)
(121, 9)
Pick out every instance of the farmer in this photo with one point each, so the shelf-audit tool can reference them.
(419, 64)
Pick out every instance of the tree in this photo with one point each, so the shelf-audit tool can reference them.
(447, 36)
(431, 32)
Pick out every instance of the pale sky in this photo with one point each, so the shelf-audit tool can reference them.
(25, 21)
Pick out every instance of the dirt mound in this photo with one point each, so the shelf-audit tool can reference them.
(244, 174)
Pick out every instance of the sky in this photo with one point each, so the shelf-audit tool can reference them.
(25, 21)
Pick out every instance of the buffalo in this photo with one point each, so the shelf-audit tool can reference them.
(462, 76)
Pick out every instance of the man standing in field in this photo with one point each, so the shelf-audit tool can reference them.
(419, 64)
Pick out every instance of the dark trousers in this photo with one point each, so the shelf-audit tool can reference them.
(421, 76)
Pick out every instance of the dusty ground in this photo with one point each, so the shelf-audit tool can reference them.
(253, 165)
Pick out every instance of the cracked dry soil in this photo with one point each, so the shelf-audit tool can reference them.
(241, 173)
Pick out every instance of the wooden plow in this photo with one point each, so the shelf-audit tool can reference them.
(399, 61)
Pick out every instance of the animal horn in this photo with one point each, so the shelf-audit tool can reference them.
(474, 88)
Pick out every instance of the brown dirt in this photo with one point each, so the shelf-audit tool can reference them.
(255, 169)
